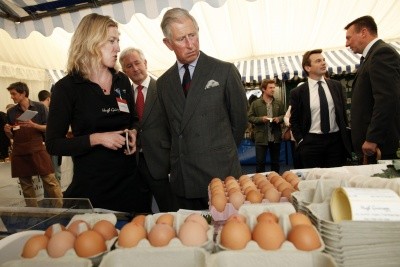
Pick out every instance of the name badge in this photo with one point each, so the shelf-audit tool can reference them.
(122, 105)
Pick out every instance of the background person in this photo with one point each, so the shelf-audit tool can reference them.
(375, 101)
(153, 137)
(29, 156)
(321, 142)
(44, 97)
(208, 123)
(266, 114)
(98, 103)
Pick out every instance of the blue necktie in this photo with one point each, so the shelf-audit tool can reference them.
(324, 110)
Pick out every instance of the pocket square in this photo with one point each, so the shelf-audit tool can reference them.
(211, 83)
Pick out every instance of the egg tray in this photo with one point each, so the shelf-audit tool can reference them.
(282, 210)
(179, 219)
(43, 259)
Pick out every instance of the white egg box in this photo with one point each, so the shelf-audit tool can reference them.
(282, 211)
(270, 258)
(70, 255)
(11, 249)
(169, 256)
(93, 218)
(179, 219)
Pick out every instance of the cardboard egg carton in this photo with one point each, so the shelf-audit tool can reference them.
(12, 247)
(282, 211)
(169, 256)
(270, 258)
(179, 219)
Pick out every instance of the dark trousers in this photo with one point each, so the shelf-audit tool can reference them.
(322, 151)
(261, 153)
(159, 188)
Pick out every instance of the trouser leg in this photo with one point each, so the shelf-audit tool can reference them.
(52, 187)
(28, 191)
(261, 152)
(275, 152)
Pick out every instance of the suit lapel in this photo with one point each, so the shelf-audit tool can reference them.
(196, 89)
(150, 99)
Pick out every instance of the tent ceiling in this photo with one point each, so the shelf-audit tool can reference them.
(232, 30)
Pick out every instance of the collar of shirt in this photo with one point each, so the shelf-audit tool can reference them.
(145, 85)
(192, 66)
(368, 47)
(314, 83)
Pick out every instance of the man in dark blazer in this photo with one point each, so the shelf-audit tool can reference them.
(375, 102)
(153, 136)
(317, 147)
(208, 124)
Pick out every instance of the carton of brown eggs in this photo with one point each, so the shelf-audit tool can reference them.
(226, 197)
(163, 239)
(83, 242)
(270, 227)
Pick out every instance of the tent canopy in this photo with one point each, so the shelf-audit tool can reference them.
(263, 38)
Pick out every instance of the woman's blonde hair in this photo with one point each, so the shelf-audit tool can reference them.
(84, 52)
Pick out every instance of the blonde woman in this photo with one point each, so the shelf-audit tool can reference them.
(97, 101)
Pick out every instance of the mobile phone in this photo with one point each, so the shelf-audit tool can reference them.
(127, 142)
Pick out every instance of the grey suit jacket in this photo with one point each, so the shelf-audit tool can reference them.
(300, 118)
(375, 102)
(205, 127)
(154, 137)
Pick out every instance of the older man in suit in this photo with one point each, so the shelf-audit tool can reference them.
(375, 102)
(318, 116)
(206, 106)
(153, 136)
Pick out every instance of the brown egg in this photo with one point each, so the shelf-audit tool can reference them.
(89, 244)
(139, 219)
(243, 178)
(258, 177)
(235, 235)
(254, 196)
(263, 183)
(274, 178)
(228, 179)
(218, 190)
(278, 182)
(195, 217)
(236, 199)
(78, 226)
(130, 235)
(304, 237)
(231, 185)
(166, 218)
(288, 193)
(237, 217)
(33, 245)
(106, 229)
(218, 201)
(60, 243)
(267, 216)
(284, 185)
(272, 174)
(272, 195)
(192, 234)
(266, 187)
(54, 228)
(269, 236)
(286, 174)
(161, 234)
(295, 183)
(233, 190)
(299, 218)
